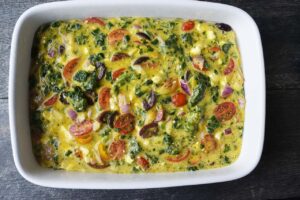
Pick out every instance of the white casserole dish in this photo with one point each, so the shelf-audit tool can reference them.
(253, 66)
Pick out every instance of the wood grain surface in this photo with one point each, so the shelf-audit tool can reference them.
(278, 174)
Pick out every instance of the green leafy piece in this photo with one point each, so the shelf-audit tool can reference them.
(81, 76)
(212, 124)
(73, 27)
(226, 47)
(134, 148)
(172, 150)
(99, 37)
(69, 152)
(192, 168)
(81, 39)
(153, 159)
(202, 79)
(77, 99)
(45, 69)
(197, 95)
(187, 37)
(215, 93)
(167, 139)
(226, 148)
(92, 82)
(96, 58)
(177, 123)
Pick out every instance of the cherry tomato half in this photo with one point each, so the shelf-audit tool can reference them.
(95, 20)
(179, 99)
(52, 100)
(82, 129)
(116, 36)
(117, 149)
(117, 73)
(225, 111)
(125, 123)
(188, 25)
(230, 67)
(70, 68)
(103, 97)
(179, 158)
(143, 162)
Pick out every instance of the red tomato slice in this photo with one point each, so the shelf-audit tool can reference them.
(179, 99)
(70, 68)
(215, 49)
(125, 123)
(143, 162)
(179, 158)
(188, 25)
(230, 67)
(127, 129)
(52, 100)
(116, 36)
(118, 73)
(95, 20)
(225, 111)
(81, 129)
(117, 149)
(103, 97)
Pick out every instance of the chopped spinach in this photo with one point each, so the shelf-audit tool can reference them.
(213, 124)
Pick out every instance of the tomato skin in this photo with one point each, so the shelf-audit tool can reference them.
(52, 100)
(117, 149)
(225, 111)
(117, 73)
(179, 158)
(70, 68)
(230, 67)
(179, 99)
(143, 162)
(209, 142)
(95, 20)
(103, 97)
(116, 36)
(188, 25)
(125, 123)
(82, 129)
(215, 49)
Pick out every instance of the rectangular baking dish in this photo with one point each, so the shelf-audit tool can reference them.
(253, 66)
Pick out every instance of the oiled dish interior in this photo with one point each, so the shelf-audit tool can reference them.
(130, 95)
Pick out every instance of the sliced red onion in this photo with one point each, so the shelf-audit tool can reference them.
(159, 115)
(152, 100)
(61, 49)
(241, 102)
(185, 87)
(123, 104)
(136, 26)
(51, 53)
(72, 114)
(227, 131)
(227, 91)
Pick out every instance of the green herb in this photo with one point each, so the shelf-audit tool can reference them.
(77, 99)
(134, 148)
(153, 159)
(99, 37)
(192, 168)
(81, 39)
(73, 27)
(187, 37)
(154, 42)
(215, 93)
(227, 160)
(68, 152)
(167, 139)
(197, 95)
(212, 124)
(96, 58)
(226, 47)
(226, 148)
(81, 76)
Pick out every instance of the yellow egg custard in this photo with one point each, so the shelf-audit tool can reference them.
(134, 94)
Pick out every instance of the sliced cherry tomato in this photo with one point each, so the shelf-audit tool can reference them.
(215, 49)
(70, 68)
(81, 129)
(127, 129)
(230, 67)
(118, 73)
(188, 25)
(84, 139)
(209, 143)
(179, 158)
(117, 149)
(124, 120)
(143, 162)
(116, 36)
(95, 20)
(52, 100)
(103, 97)
(179, 99)
(225, 111)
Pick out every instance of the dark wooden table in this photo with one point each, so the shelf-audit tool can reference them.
(278, 174)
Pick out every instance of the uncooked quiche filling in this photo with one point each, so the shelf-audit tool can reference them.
(136, 95)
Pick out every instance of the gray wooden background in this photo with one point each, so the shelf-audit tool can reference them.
(278, 173)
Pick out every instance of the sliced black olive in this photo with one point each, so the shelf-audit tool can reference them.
(187, 76)
(149, 130)
(152, 100)
(143, 35)
(63, 98)
(101, 70)
(61, 49)
(91, 97)
(108, 117)
(119, 56)
(140, 60)
(224, 27)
